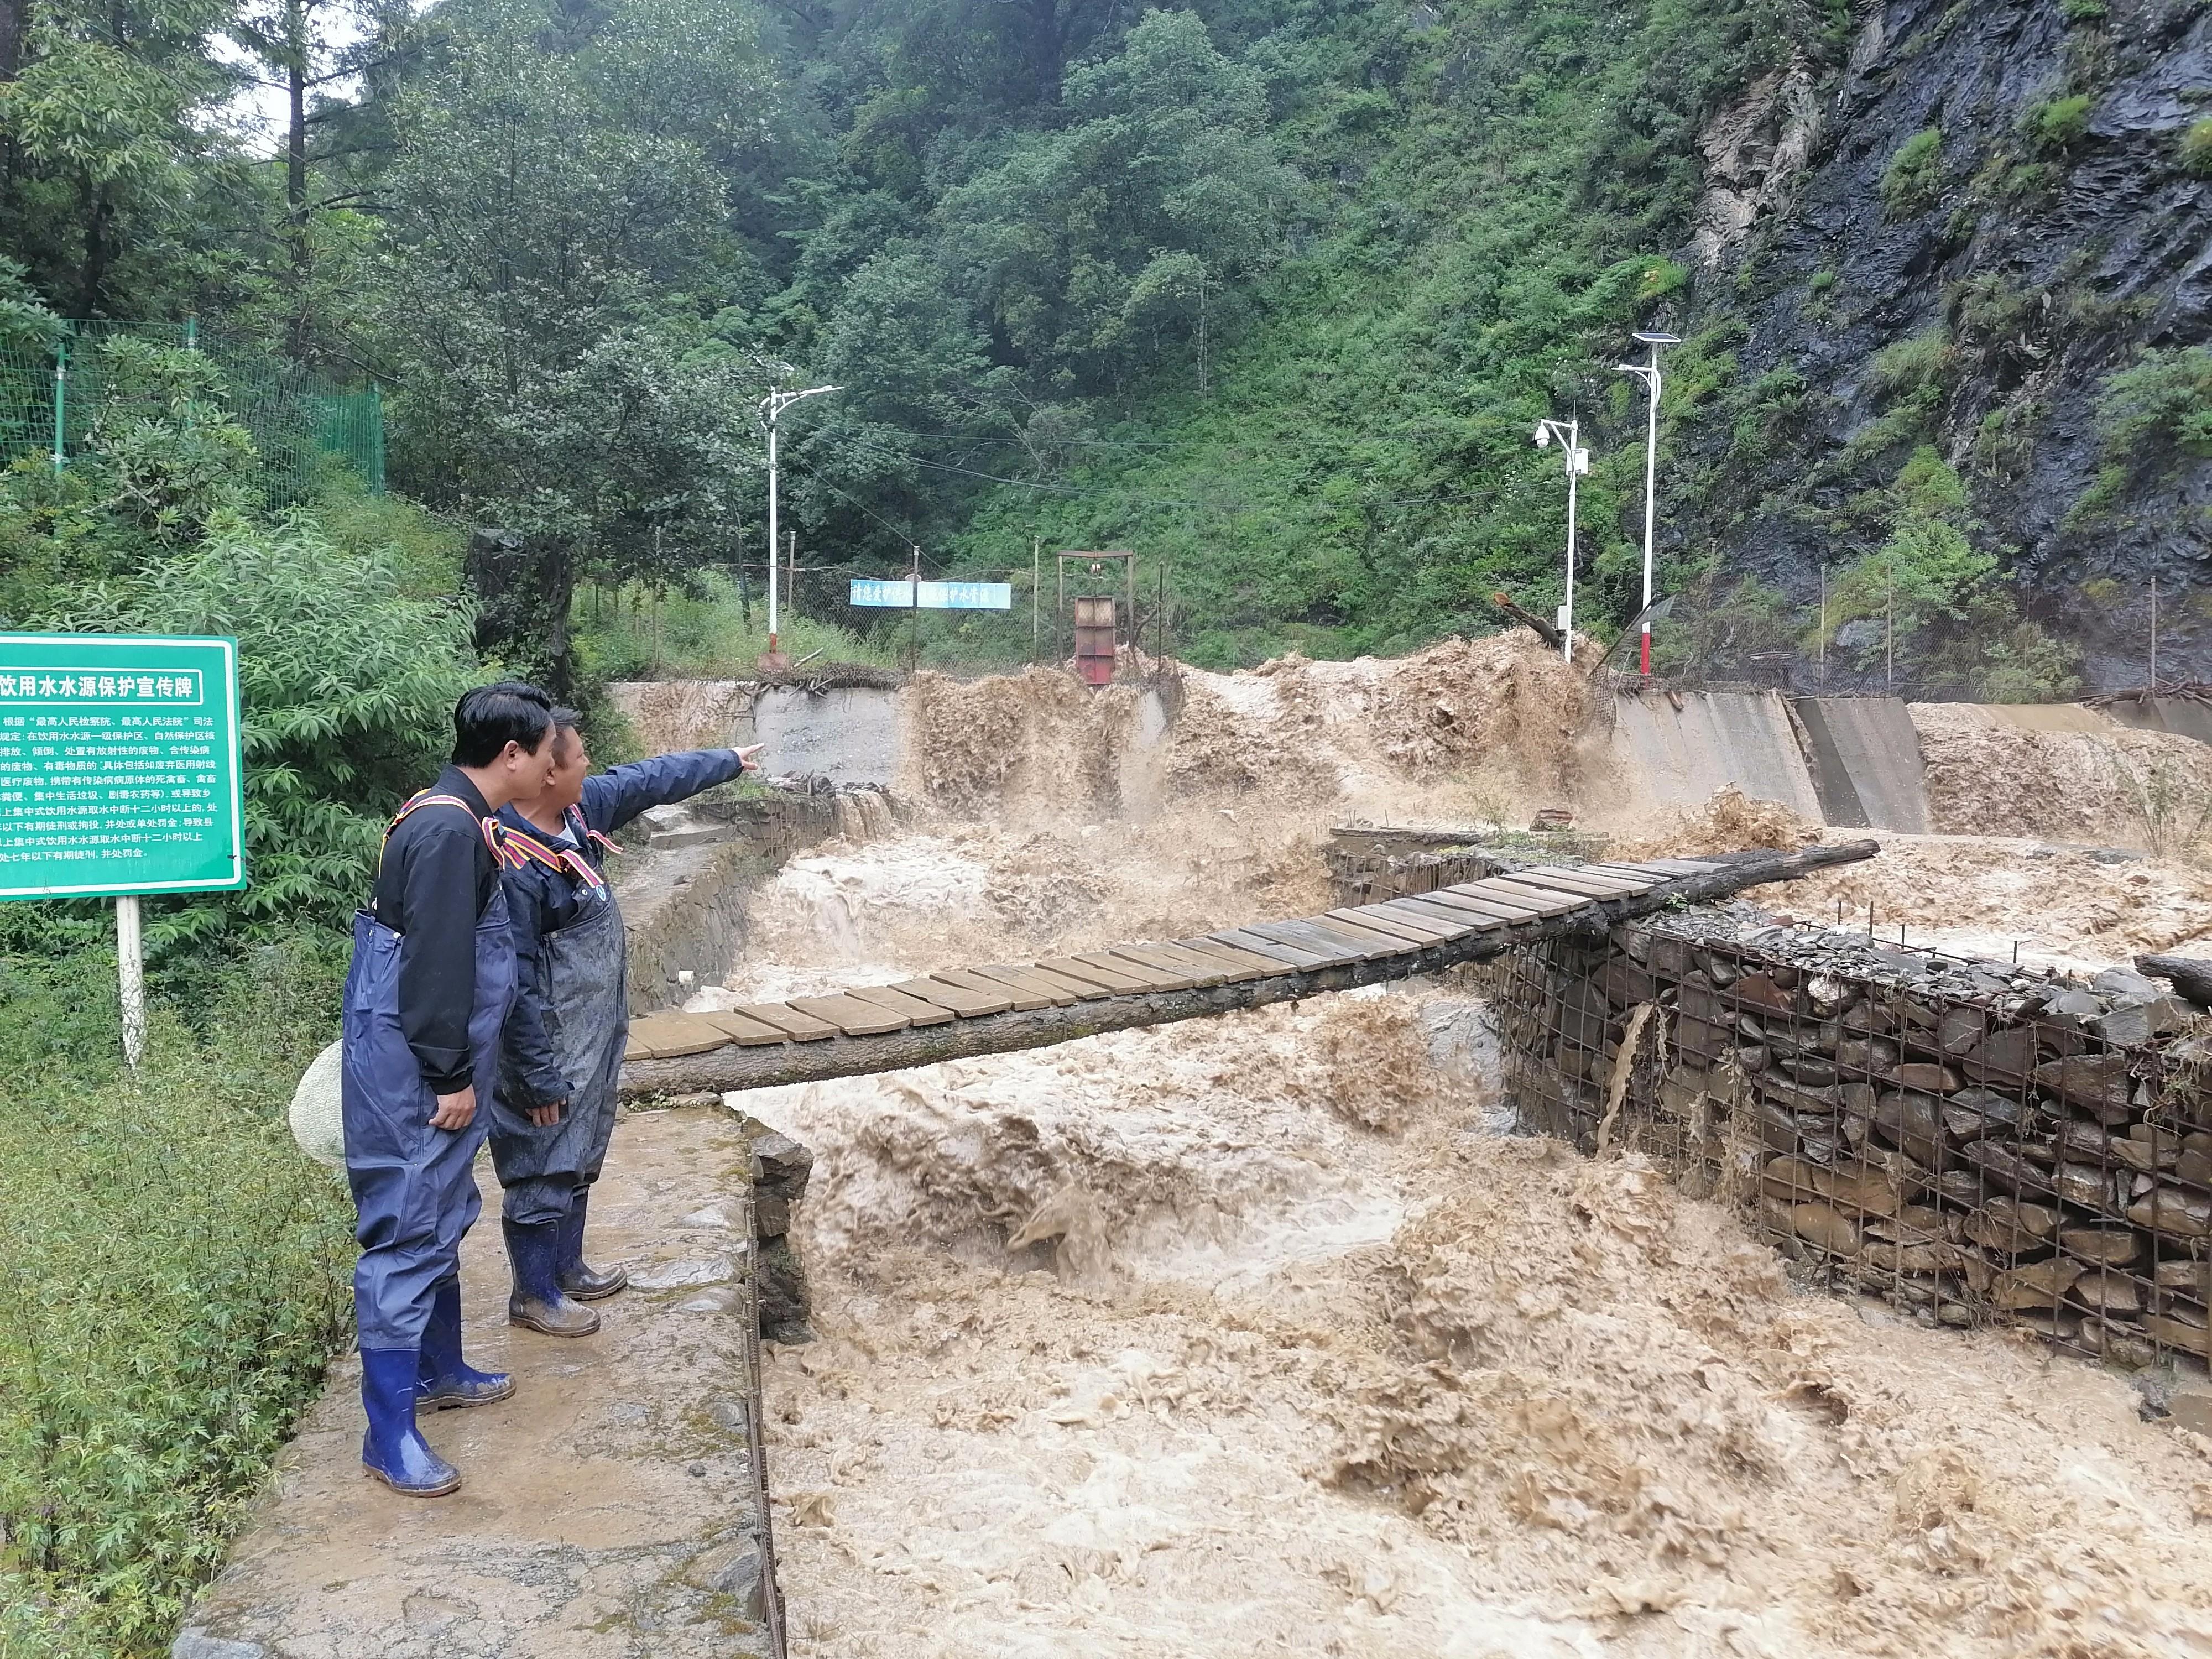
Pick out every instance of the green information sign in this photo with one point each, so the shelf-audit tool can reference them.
(118, 766)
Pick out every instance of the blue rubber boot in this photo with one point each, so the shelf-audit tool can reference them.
(582, 1282)
(537, 1303)
(393, 1449)
(445, 1379)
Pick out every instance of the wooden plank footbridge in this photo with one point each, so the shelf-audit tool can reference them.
(999, 1006)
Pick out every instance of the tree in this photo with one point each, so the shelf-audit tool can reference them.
(107, 142)
(1085, 248)
(543, 309)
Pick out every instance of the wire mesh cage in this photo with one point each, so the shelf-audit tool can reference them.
(1968, 1159)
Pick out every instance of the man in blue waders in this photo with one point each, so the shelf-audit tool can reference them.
(554, 1113)
(432, 979)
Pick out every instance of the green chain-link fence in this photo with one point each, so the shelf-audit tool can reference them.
(51, 388)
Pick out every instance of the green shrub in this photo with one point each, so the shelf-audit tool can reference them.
(2057, 124)
(2161, 405)
(1914, 177)
(1822, 281)
(2195, 147)
(1918, 363)
(2083, 11)
(347, 688)
(173, 1278)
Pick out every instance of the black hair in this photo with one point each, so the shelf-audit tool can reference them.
(568, 721)
(488, 719)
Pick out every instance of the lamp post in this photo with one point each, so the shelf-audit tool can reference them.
(1648, 374)
(1578, 460)
(772, 408)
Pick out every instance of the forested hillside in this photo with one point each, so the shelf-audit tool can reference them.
(1274, 292)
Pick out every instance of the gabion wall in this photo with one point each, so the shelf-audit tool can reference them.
(1970, 1141)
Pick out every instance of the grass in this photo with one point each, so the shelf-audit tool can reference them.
(632, 632)
(173, 1277)
(2195, 147)
(1914, 177)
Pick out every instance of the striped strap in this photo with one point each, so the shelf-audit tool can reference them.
(522, 847)
(583, 832)
(494, 833)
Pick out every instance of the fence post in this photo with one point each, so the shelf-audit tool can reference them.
(61, 398)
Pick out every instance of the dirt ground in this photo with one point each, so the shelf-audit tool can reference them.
(1257, 1334)
(604, 1509)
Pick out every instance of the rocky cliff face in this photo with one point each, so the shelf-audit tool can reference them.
(1954, 239)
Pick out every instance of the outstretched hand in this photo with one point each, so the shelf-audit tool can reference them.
(746, 758)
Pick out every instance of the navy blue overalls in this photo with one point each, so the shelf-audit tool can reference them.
(585, 1017)
(413, 1185)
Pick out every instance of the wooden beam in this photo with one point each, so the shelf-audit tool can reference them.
(733, 1066)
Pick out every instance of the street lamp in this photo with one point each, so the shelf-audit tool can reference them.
(772, 408)
(1648, 374)
(1578, 460)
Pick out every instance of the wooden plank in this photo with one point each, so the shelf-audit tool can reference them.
(1661, 868)
(1119, 980)
(1418, 935)
(1480, 913)
(965, 1000)
(1296, 957)
(1550, 901)
(1509, 900)
(798, 1027)
(1248, 963)
(1618, 880)
(1377, 941)
(1424, 932)
(1082, 990)
(851, 1016)
(751, 1032)
(1455, 924)
(1022, 1001)
(1596, 887)
(1542, 900)
(1371, 942)
(916, 1011)
(672, 1034)
(1155, 979)
(1025, 985)
(1299, 937)
(1217, 969)
(1160, 957)
(1428, 908)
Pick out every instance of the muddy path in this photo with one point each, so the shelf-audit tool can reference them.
(1257, 1334)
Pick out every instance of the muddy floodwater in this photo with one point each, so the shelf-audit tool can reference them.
(1263, 1334)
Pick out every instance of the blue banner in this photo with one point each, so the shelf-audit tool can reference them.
(932, 596)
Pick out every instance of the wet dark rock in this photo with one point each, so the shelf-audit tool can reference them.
(1924, 1075)
(1867, 1056)
(2123, 982)
(2134, 1022)
(785, 1166)
(2096, 1083)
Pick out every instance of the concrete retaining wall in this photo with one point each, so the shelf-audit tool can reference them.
(684, 908)
(2185, 717)
(1866, 762)
(1678, 748)
(847, 734)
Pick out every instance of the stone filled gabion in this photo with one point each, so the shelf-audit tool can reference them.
(1970, 1140)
